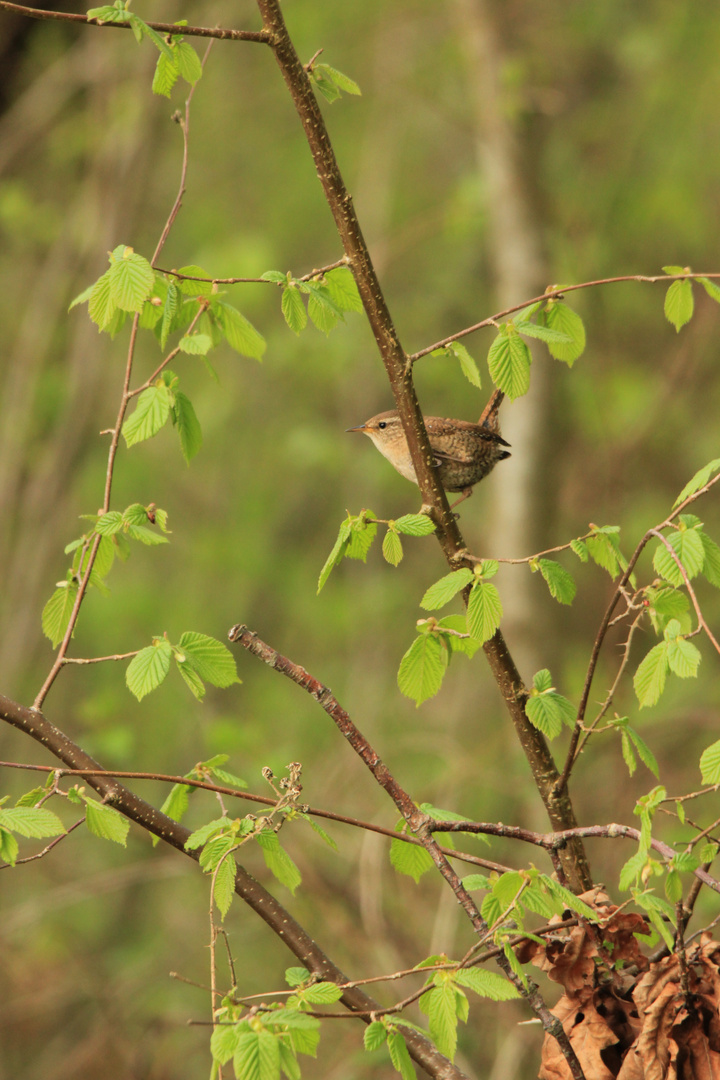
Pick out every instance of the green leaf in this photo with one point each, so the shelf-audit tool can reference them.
(484, 610)
(559, 581)
(188, 426)
(188, 62)
(147, 670)
(343, 290)
(191, 679)
(323, 993)
(679, 303)
(415, 525)
(293, 308)
(105, 822)
(109, 523)
(83, 297)
(710, 288)
(278, 861)
(711, 565)
(375, 1035)
(173, 300)
(392, 547)
(442, 591)
(195, 288)
(649, 681)
(476, 881)
(400, 1056)
(166, 75)
(131, 280)
(467, 645)
(548, 712)
(632, 869)
(56, 613)
(509, 363)
(322, 309)
(682, 656)
(579, 547)
(225, 885)
(710, 764)
(146, 536)
(296, 976)
(560, 317)
(343, 82)
(440, 1007)
(239, 333)
(688, 546)
(410, 859)
(644, 752)
(177, 802)
(34, 822)
(673, 887)
(467, 365)
(544, 333)
(568, 899)
(603, 550)
(212, 660)
(422, 668)
(487, 984)
(9, 847)
(339, 548)
(699, 480)
(542, 680)
(150, 415)
(195, 344)
(362, 534)
(101, 305)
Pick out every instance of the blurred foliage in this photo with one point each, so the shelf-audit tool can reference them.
(615, 109)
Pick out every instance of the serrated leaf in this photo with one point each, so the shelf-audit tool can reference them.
(131, 280)
(147, 670)
(165, 76)
(673, 887)
(375, 1035)
(543, 713)
(362, 534)
(710, 764)
(295, 976)
(415, 525)
(410, 859)
(649, 681)
(101, 305)
(318, 829)
(191, 678)
(323, 993)
(56, 613)
(200, 837)
(467, 364)
(484, 610)
(343, 290)
(177, 802)
(212, 660)
(487, 984)
(711, 564)
(400, 1056)
(293, 309)
(475, 881)
(188, 426)
(579, 547)
(83, 297)
(34, 822)
(392, 548)
(710, 288)
(644, 752)
(542, 680)
(543, 333)
(105, 822)
(173, 300)
(440, 1007)
(467, 645)
(560, 317)
(699, 480)
(568, 899)
(278, 861)
(188, 62)
(422, 668)
(32, 797)
(559, 581)
(632, 869)
(225, 885)
(195, 344)
(150, 415)
(322, 309)
(509, 364)
(146, 536)
(9, 847)
(683, 657)
(442, 591)
(603, 552)
(339, 548)
(679, 303)
(688, 546)
(342, 81)
(109, 523)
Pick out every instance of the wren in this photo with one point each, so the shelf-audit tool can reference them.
(463, 453)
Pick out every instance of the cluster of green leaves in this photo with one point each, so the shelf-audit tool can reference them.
(679, 301)
(198, 658)
(456, 350)
(328, 297)
(358, 531)
(633, 743)
(115, 529)
(178, 799)
(550, 321)
(668, 606)
(177, 58)
(264, 1044)
(643, 866)
(332, 83)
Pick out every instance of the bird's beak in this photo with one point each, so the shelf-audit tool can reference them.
(360, 428)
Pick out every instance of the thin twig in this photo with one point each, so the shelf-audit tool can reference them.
(258, 36)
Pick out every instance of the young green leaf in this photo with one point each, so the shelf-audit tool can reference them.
(188, 426)
(422, 668)
(679, 303)
(362, 534)
(375, 1035)
(105, 822)
(688, 546)
(410, 859)
(147, 670)
(339, 548)
(487, 984)
(322, 309)
(559, 581)
(177, 802)
(544, 333)
(415, 525)
(392, 547)
(239, 333)
(131, 279)
(56, 613)
(579, 547)
(682, 656)
(440, 1006)
(442, 591)
(467, 364)
(710, 764)
(484, 610)
(212, 660)
(278, 861)
(151, 414)
(188, 62)
(342, 81)
(195, 344)
(400, 1056)
(560, 317)
(224, 889)
(34, 822)
(293, 308)
(509, 363)
(649, 681)
(101, 305)
(343, 290)
(699, 480)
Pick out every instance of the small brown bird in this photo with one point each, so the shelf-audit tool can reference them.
(464, 453)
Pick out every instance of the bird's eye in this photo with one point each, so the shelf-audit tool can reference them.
(382, 425)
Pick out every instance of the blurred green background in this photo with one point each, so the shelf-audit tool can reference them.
(498, 147)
